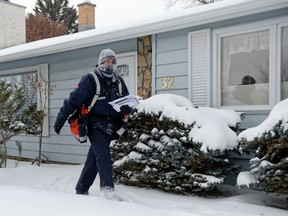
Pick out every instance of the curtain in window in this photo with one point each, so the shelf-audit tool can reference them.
(245, 69)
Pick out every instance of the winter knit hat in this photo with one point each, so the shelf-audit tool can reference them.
(105, 55)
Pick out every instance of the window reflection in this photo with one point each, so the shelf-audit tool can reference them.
(28, 82)
(245, 69)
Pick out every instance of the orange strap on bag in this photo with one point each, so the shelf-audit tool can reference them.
(74, 126)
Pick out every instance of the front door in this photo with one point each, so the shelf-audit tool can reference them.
(127, 68)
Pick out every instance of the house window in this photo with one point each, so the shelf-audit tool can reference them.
(123, 70)
(245, 69)
(284, 63)
(26, 81)
(36, 84)
(251, 65)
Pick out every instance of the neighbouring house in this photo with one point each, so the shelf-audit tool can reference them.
(230, 54)
(12, 17)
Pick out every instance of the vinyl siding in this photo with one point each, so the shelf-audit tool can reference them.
(65, 71)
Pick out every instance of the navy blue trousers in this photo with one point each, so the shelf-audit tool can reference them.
(98, 161)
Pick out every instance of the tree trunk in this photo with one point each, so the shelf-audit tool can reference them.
(40, 142)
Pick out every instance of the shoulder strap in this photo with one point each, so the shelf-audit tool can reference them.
(98, 88)
(97, 92)
(120, 87)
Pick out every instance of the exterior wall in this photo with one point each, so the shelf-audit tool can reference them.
(65, 71)
(171, 62)
(12, 24)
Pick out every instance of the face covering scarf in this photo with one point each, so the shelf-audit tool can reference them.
(107, 70)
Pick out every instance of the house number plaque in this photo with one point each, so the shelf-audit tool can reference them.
(167, 82)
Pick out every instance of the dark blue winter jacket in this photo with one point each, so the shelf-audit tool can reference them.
(84, 93)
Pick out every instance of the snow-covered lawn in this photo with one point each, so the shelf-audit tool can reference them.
(30, 190)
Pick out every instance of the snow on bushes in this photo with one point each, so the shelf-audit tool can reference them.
(269, 143)
(175, 147)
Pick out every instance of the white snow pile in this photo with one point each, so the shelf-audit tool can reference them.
(211, 126)
(245, 178)
(277, 114)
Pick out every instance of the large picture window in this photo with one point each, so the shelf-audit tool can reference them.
(251, 65)
(245, 69)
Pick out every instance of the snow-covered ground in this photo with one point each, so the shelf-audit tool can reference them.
(29, 190)
(48, 190)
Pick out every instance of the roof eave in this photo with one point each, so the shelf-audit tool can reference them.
(150, 27)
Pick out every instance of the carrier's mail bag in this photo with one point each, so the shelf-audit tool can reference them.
(78, 124)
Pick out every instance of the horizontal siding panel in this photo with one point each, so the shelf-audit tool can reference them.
(65, 84)
(65, 149)
(57, 103)
(60, 94)
(25, 153)
(182, 92)
(66, 138)
(171, 43)
(176, 56)
(75, 67)
(67, 75)
(60, 157)
(53, 113)
(177, 69)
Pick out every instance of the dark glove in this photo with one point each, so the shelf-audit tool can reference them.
(57, 129)
(125, 110)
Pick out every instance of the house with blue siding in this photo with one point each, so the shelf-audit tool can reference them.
(230, 55)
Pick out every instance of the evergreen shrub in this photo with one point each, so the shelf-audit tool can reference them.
(270, 164)
(159, 154)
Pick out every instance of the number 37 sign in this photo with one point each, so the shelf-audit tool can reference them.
(167, 82)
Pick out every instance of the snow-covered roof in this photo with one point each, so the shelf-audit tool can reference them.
(166, 21)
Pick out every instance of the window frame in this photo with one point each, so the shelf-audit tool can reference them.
(279, 52)
(274, 27)
(42, 68)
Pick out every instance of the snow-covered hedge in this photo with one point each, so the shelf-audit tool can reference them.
(269, 143)
(173, 146)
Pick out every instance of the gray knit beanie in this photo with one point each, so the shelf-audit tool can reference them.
(105, 55)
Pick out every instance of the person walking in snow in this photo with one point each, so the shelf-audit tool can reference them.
(102, 121)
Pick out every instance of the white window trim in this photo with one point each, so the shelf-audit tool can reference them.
(39, 68)
(274, 63)
(134, 55)
(278, 55)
